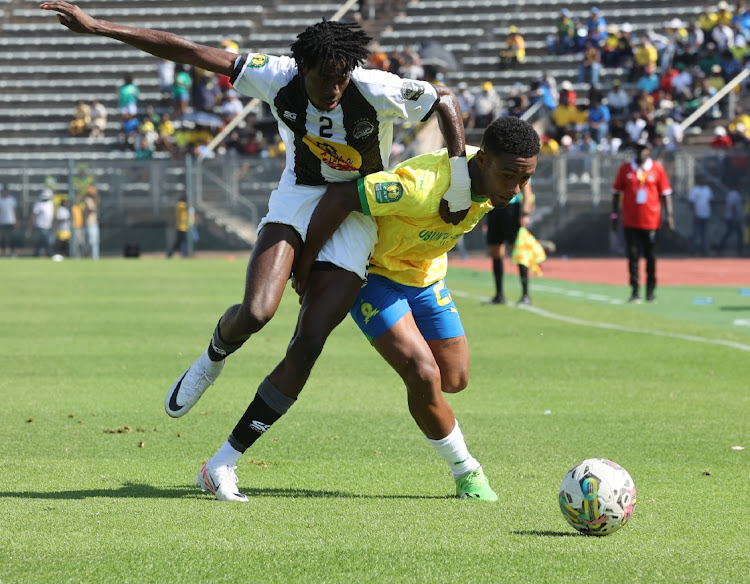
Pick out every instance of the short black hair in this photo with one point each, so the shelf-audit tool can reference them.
(331, 42)
(511, 135)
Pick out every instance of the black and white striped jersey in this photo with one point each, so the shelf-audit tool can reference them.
(352, 140)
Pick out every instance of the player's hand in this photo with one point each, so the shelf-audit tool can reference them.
(453, 218)
(301, 273)
(71, 16)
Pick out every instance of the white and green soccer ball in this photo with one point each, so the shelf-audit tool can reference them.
(597, 496)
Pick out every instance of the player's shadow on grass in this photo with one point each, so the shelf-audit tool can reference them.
(144, 491)
(547, 533)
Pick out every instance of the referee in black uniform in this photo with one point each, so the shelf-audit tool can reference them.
(502, 228)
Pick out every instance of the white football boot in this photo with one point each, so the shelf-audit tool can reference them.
(187, 390)
(221, 481)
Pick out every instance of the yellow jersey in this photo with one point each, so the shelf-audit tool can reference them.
(413, 241)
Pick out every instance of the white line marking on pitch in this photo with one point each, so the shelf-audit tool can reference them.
(616, 327)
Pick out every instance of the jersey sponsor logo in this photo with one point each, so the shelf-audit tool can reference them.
(411, 90)
(368, 311)
(437, 236)
(258, 61)
(388, 192)
(259, 427)
(290, 115)
(362, 129)
(335, 156)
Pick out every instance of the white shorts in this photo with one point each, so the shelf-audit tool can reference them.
(351, 245)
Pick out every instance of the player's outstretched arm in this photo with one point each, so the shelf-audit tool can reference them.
(339, 200)
(162, 44)
(458, 194)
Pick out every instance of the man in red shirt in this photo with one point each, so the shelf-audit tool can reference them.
(639, 188)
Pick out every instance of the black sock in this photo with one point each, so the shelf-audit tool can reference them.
(268, 406)
(497, 270)
(523, 271)
(218, 348)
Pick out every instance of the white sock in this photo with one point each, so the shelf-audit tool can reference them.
(453, 450)
(226, 455)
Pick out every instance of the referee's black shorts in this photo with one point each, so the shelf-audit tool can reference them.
(503, 224)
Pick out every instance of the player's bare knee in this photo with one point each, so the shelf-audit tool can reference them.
(455, 382)
(253, 317)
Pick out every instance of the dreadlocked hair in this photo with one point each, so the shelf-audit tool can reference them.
(511, 135)
(331, 42)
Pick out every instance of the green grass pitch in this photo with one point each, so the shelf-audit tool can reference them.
(97, 479)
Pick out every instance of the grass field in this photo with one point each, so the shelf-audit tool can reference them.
(98, 479)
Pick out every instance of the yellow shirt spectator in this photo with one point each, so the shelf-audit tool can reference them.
(549, 147)
(646, 55)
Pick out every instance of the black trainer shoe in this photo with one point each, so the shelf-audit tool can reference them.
(525, 300)
(635, 298)
(497, 300)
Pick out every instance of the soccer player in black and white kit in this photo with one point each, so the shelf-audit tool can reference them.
(336, 120)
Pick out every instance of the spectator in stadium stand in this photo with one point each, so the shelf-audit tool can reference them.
(715, 79)
(91, 221)
(690, 50)
(323, 76)
(723, 14)
(549, 147)
(98, 119)
(597, 120)
(128, 97)
(515, 49)
(231, 105)
(674, 135)
(590, 67)
(723, 36)
(566, 89)
(378, 59)
(618, 101)
(565, 117)
(741, 17)
(721, 139)
(487, 105)
(181, 91)
(609, 48)
(741, 119)
(563, 41)
(81, 119)
(649, 81)
(165, 71)
(466, 101)
(640, 187)
(707, 19)
(700, 196)
(740, 50)
(645, 56)
(597, 26)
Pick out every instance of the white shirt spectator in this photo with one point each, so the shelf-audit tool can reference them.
(8, 205)
(723, 36)
(618, 98)
(681, 82)
(674, 135)
(634, 129)
(43, 213)
(701, 196)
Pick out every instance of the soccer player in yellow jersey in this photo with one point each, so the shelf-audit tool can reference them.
(405, 309)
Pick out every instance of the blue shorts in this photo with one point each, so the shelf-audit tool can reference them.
(381, 303)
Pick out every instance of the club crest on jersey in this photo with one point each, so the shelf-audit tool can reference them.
(362, 129)
(411, 91)
(258, 61)
(388, 192)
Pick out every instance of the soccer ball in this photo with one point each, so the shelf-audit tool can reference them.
(597, 496)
